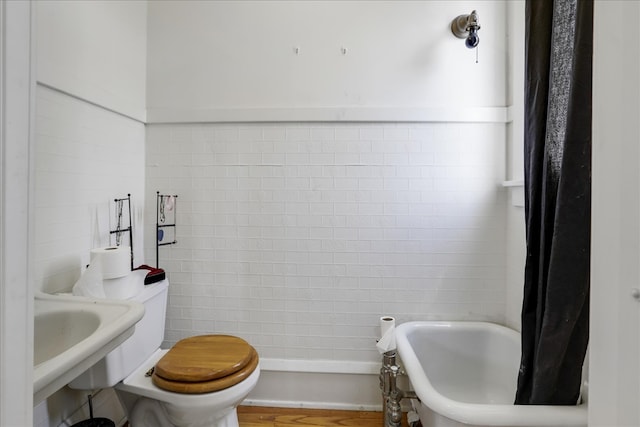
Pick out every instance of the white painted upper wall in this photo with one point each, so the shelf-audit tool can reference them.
(95, 50)
(356, 60)
(236, 60)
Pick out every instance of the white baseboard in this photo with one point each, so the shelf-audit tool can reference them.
(320, 366)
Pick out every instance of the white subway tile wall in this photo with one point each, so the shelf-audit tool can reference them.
(299, 236)
(85, 157)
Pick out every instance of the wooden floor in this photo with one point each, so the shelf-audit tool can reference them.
(256, 416)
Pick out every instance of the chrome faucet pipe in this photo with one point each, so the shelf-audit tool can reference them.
(391, 394)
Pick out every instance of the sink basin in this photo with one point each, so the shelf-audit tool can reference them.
(72, 333)
(55, 332)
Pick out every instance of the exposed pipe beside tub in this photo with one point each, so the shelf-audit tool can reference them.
(391, 393)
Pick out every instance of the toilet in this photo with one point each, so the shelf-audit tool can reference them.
(200, 381)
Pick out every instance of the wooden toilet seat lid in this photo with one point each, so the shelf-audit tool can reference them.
(204, 358)
(208, 386)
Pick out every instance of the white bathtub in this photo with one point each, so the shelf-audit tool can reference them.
(465, 374)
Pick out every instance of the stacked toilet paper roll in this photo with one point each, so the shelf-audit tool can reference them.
(125, 287)
(109, 275)
(114, 261)
(387, 341)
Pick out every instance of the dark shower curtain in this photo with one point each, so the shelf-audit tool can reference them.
(555, 311)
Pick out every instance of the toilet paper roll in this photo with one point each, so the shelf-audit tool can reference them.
(115, 261)
(387, 341)
(125, 287)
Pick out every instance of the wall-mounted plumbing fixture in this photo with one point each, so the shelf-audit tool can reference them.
(466, 27)
(391, 394)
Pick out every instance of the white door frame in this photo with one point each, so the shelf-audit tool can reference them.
(16, 289)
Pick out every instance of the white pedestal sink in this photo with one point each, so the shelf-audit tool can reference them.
(72, 333)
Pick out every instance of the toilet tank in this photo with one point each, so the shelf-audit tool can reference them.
(146, 339)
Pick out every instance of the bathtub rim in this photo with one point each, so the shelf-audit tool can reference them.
(474, 413)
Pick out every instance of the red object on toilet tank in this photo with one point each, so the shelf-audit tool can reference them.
(154, 275)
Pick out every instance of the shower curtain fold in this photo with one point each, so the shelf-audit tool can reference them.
(555, 310)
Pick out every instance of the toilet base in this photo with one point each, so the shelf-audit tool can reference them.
(151, 413)
(147, 405)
